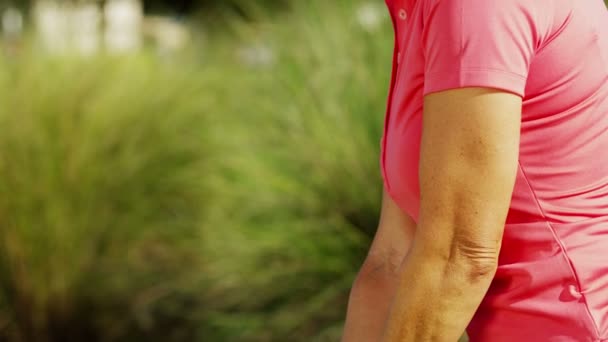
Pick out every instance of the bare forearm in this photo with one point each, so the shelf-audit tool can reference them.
(374, 289)
(368, 306)
(436, 299)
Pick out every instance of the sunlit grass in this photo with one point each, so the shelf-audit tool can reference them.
(101, 197)
(230, 198)
(301, 181)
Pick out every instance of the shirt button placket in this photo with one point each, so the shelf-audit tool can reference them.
(402, 15)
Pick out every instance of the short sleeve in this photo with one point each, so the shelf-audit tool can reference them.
(478, 43)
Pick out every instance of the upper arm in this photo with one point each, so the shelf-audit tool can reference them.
(468, 164)
(477, 59)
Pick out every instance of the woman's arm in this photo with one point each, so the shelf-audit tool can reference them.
(469, 153)
(375, 285)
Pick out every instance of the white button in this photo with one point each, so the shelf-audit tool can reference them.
(573, 291)
(402, 14)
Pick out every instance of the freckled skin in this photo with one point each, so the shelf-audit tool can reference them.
(468, 165)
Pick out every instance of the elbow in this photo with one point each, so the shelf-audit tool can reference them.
(471, 260)
(380, 267)
(476, 261)
(476, 271)
(379, 272)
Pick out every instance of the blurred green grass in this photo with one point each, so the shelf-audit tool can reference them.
(229, 195)
(101, 198)
(304, 185)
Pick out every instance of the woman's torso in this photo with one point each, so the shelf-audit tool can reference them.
(552, 281)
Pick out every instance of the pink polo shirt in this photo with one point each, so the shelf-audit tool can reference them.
(552, 280)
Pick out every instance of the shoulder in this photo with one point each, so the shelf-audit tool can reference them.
(489, 16)
(493, 7)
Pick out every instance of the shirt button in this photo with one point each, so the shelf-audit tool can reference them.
(573, 291)
(402, 14)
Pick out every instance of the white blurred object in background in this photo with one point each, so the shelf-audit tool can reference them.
(68, 27)
(370, 16)
(12, 23)
(52, 25)
(169, 34)
(85, 27)
(123, 19)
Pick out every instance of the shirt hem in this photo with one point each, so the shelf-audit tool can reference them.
(475, 77)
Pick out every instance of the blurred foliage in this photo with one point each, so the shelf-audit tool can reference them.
(192, 5)
(303, 185)
(229, 198)
(179, 6)
(101, 198)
